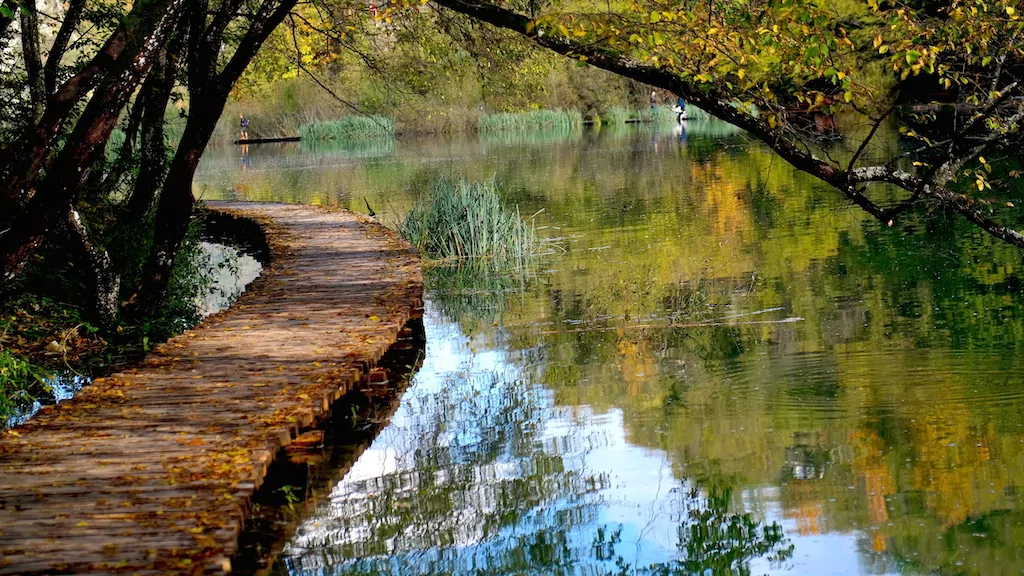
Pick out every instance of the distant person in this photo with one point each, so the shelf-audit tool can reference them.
(680, 109)
(654, 99)
(243, 127)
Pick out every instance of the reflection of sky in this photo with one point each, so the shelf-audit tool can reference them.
(638, 492)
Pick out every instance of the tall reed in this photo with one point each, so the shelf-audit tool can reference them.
(460, 220)
(347, 128)
(530, 120)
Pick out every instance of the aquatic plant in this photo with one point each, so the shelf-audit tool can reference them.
(530, 120)
(348, 128)
(617, 115)
(460, 219)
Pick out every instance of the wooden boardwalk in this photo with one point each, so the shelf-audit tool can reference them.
(151, 470)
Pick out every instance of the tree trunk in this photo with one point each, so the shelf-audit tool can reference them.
(106, 280)
(174, 209)
(60, 44)
(83, 148)
(156, 92)
(33, 60)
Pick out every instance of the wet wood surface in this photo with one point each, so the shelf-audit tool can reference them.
(151, 470)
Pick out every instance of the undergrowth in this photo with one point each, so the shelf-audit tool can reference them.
(47, 329)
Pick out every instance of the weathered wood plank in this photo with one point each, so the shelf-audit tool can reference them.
(151, 470)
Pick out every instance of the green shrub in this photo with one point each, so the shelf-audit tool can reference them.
(460, 219)
(348, 128)
(17, 378)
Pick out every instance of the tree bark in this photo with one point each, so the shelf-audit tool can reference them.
(60, 43)
(106, 280)
(156, 92)
(33, 59)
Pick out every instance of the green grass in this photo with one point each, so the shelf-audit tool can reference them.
(468, 220)
(348, 128)
(530, 120)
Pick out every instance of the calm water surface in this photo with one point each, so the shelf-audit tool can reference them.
(728, 370)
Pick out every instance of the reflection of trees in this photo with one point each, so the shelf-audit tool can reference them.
(899, 389)
(711, 541)
(472, 469)
(714, 541)
(904, 444)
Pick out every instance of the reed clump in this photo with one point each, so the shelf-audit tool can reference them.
(348, 128)
(468, 220)
(531, 120)
(617, 115)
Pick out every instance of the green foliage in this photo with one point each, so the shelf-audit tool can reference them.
(462, 219)
(348, 128)
(531, 120)
(18, 377)
(117, 138)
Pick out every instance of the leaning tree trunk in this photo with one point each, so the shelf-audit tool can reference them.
(60, 43)
(156, 92)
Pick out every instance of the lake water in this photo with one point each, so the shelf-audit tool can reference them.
(722, 368)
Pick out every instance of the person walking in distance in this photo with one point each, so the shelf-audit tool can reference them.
(243, 127)
(654, 99)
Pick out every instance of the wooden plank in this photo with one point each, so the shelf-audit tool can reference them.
(156, 465)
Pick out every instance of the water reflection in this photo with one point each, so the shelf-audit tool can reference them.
(728, 370)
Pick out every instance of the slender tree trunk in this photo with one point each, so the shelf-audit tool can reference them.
(156, 92)
(106, 280)
(60, 44)
(33, 59)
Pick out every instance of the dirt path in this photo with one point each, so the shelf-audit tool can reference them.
(151, 470)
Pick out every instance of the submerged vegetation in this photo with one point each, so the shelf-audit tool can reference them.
(468, 220)
(348, 128)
